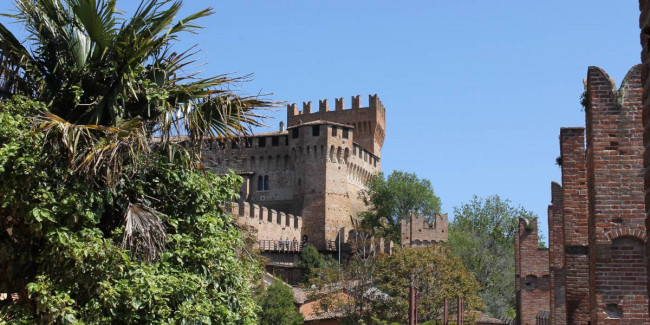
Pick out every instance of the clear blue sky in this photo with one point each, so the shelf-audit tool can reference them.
(475, 91)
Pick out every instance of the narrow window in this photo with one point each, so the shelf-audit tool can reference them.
(335, 131)
(315, 130)
(260, 183)
(275, 141)
(345, 133)
(294, 133)
(262, 142)
(249, 142)
(266, 182)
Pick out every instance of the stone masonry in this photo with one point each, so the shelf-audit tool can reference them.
(532, 281)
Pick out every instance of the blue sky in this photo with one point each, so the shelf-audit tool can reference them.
(475, 91)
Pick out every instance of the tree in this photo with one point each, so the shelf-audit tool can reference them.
(309, 261)
(436, 273)
(279, 306)
(397, 197)
(98, 224)
(482, 235)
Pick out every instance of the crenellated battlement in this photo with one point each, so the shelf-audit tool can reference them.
(424, 233)
(323, 105)
(269, 224)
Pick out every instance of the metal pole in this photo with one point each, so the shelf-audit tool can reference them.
(339, 235)
(445, 315)
(412, 320)
(460, 310)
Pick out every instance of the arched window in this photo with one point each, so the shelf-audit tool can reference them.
(266, 182)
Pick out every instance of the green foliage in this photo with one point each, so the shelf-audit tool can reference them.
(309, 261)
(395, 198)
(112, 81)
(279, 306)
(482, 235)
(60, 239)
(435, 272)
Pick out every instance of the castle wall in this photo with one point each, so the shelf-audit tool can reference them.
(424, 233)
(266, 224)
(575, 215)
(617, 233)
(644, 25)
(556, 257)
(369, 122)
(531, 273)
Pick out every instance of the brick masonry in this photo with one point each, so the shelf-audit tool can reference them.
(556, 256)
(575, 215)
(617, 234)
(425, 233)
(644, 25)
(532, 280)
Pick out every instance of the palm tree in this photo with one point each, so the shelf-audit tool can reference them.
(111, 83)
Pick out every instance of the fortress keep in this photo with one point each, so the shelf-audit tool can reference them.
(313, 169)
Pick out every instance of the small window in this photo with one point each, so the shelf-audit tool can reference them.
(262, 142)
(275, 141)
(315, 130)
(531, 282)
(263, 183)
(294, 133)
(345, 133)
(249, 143)
(335, 131)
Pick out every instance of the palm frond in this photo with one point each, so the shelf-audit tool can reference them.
(144, 232)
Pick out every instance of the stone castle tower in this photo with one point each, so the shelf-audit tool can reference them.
(315, 168)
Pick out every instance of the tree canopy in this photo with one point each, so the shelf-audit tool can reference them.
(98, 222)
(279, 306)
(394, 198)
(482, 235)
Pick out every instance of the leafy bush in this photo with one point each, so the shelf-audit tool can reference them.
(61, 233)
(278, 306)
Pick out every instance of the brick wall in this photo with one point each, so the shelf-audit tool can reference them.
(644, 25)
(425, 233)
(556, 256)
(574, 199)
(267, 224)
(617, 273)
(531, 273)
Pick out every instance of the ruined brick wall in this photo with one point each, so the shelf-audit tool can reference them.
(556, 256)
(266, 224)
(425, 233)
(644, 25)
(531, 273)
(369, 122)
(575, 215)
(617, 233)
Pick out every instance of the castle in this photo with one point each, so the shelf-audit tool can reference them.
(304, 181)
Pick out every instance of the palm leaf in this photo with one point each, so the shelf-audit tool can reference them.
(144, 232)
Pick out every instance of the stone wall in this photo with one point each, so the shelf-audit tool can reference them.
(424, 233)
(617, 233)
(531, 273)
